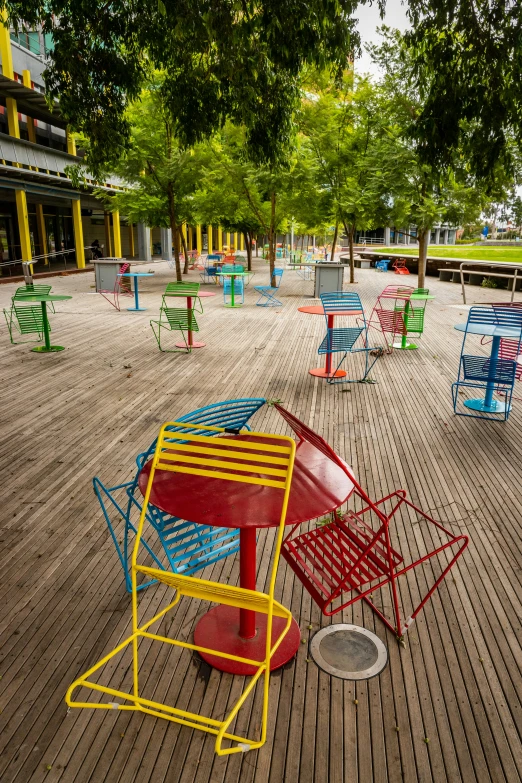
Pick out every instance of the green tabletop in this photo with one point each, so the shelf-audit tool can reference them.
(234, 274)
(421, 297)
(43, 299)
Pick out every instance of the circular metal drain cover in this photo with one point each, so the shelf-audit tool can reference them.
(348, 652)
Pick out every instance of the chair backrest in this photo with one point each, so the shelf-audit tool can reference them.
(181, 289)
(258, 458)
(396, 292)
(181, 319)
(232, 268)
(423, 291)
(509, 317)
(123, 268)
(341, 301)
(278, 274)
(214, 257)
(29, 318)
(31, 289)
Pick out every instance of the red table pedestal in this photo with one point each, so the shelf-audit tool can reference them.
(326, 371)
(190, 335)
(219, 629)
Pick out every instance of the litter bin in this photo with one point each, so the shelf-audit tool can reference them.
(328, 278)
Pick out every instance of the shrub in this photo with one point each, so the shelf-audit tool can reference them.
(488, 283)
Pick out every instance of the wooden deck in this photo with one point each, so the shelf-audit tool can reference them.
(90, 409)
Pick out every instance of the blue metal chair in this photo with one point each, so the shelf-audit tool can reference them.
(210, 272)
(344, 339)
(491, 374)
(173, 543)
(382, 265)
(268, 291)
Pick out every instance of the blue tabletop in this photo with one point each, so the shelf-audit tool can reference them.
(135, 274)
(489, 330)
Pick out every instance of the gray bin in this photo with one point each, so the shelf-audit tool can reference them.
(328, 278)
(106, 271)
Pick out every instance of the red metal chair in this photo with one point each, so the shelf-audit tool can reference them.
(121, 287)
(399, 265)
(388, 313)
(351, 557)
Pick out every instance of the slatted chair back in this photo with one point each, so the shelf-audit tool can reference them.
(232, 268)
(391, 321)
(340, 339)
(508, 317)
(181, 319)
(351, 557)
(181, 289)
(31, 288)
(27, 319)
(510, 350)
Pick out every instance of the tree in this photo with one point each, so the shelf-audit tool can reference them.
(238, 59)
(162, 176)
(343, 133)
(242, 196)
(423, 193)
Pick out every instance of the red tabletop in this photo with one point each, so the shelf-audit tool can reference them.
(203, 294)
(319, 310)
(318, 487)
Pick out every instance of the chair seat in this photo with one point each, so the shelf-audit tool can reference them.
(478, 368)
(340, 340)
(217, 593)
(326, 554)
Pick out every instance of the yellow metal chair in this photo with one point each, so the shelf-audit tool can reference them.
(185, 452)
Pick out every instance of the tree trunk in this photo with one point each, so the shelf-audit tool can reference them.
(350, 233)
(423, 237)
(175, 228)
(248, 243)
(185, 253)
(334, 243)
(272, 238)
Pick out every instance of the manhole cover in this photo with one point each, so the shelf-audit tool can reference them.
(348, 652)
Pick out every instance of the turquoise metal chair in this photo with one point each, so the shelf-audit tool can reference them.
(345, 340)
(268, 298)
(239, 285)
(172, 543)
(382, 265)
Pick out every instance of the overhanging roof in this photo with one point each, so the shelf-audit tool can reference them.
(31, 102)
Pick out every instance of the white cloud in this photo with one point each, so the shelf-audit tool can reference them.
(369, 20)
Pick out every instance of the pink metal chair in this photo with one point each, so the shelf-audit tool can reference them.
(387, 315)
(121, 288)
(351, 557)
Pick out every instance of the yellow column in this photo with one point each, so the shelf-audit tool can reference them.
(7, 70)
(71, 144)
(40, 220)
(220, 239)
(235, 242)
(199, 244)
(26, 77)
(116, 233)
(190, 237)
(78, 233)
(23, 224)
(209, 237)
(242, 241)
(131, 240)
(184, 232)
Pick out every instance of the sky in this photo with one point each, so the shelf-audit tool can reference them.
(369, 21)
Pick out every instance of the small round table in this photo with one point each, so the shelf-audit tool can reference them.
(136, 276)
(44, 298)
(190, 335)
(232, 276)
(404, 344)
(487, 404)
(326, 371)
(319, 486)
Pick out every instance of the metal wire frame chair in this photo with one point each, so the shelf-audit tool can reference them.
(489, 374)
(388, 312)
(121, 288)
(202, 455)
(33, 288)
(176, 543)
(173, 319)
(351, 557)
(343, 339)
(268, 291)
(183, 291)
(25, 319)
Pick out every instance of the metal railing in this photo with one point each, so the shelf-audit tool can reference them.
(505, 264)
(26, 265)
(370, 241)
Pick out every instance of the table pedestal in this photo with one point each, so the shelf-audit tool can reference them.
(239, 631)
(326, 372)
(190, 334)
(47, 347)
(220, 627)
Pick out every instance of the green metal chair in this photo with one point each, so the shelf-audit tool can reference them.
(416, 313)
(25, 319)
(173, 319)
(183, 290)
(31, 288)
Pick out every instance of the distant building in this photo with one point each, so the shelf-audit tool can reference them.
(440, 235)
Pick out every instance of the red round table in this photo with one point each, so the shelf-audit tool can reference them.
(326, 371)
(190, 340)
(319, 486)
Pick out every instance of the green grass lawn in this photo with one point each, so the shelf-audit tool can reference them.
(462, 251)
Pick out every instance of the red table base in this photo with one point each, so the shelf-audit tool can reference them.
(219, 629)
(195, 344)
(320, 372)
